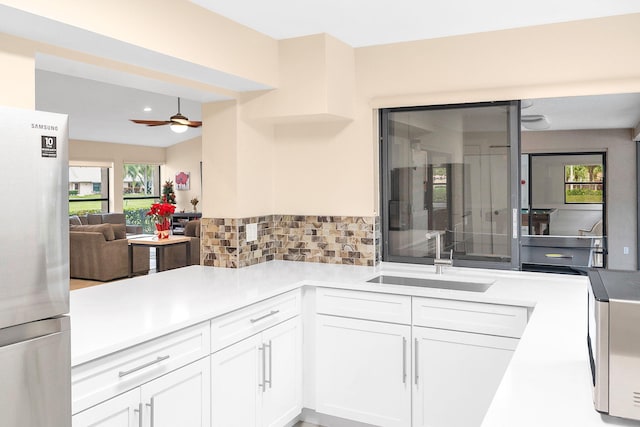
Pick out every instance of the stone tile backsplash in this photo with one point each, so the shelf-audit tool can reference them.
(306, 238)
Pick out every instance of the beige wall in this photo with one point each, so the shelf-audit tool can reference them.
(185, 157)
(620, 185)
(237, 161)
(17, 73)
(116, 155)
(576, 58)
(333, 167)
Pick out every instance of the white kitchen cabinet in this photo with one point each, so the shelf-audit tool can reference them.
(363, 370)
(456, 375)
(179, 398)
(258, 381)
(120, 411)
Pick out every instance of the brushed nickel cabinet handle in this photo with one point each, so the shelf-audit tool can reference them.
(416, 361)
(271, 313)
(144, 365)
(263, 385)
(151, 418)
(270, 365)
(139, 411)
(404, 360)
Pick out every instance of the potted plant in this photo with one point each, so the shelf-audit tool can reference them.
(161, 214)
(195, 202)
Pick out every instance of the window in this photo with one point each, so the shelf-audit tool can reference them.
(447, 170)
(141, 188)
(583, 183)
(88, 189)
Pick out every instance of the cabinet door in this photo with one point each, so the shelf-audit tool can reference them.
(456, 375)
(282, 396)
(120, 411)
(236, 380)
(179, 398)
(363, 370)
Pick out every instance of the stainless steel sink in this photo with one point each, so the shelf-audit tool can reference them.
(431, 283)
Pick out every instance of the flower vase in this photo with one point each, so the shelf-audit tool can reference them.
(162, 230)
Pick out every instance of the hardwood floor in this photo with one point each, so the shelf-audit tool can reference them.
(75, 284)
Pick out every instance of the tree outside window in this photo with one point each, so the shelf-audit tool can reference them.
(141, 188)
(583, 183)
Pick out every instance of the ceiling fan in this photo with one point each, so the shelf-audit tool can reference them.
(178, 123)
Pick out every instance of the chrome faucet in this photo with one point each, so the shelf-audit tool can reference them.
(438, 262)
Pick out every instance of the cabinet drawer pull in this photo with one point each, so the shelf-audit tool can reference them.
(271, 313)
(144, 365)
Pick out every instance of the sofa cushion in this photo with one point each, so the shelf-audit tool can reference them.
(192, 229)
(74, 220)
(105, 229)
(94, 219)
(114, 218)
(83, 219)
(119, 231)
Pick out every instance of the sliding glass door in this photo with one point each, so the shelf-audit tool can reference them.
(452, 171)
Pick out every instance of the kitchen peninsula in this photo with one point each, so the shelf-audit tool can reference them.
(547, 381)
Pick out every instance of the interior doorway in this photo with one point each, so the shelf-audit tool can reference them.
(563, 210)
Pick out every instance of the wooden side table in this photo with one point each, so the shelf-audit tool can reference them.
(159, 245)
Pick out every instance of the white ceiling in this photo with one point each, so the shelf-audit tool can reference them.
(373, 22)
(101, 111)
(100, 102)
(588, 112)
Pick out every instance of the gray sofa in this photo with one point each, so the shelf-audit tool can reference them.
(105, 218)
(101, 252)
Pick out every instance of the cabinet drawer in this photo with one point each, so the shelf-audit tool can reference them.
(491, 319)
(364, 305)
(103, 378)
(240, 324)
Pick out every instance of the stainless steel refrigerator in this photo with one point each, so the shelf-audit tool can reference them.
(35, 361)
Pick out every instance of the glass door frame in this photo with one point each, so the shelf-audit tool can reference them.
(513, 130)
(529, 178)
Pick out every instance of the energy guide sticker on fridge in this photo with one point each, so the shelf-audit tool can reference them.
(48, 146)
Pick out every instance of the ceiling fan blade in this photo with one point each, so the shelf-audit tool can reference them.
(194, 124)
(180, 120)
(151, 122)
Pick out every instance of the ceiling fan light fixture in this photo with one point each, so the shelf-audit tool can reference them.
(178, 123)
(178, 128)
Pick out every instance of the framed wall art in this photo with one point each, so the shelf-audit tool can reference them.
(183, 181)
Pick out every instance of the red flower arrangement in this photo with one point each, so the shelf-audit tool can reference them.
(161, 212)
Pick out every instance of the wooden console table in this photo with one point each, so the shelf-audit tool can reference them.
(159, 245)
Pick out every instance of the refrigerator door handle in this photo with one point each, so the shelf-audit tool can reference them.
(33, 330)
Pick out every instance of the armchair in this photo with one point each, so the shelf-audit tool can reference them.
(174, 256)
(98, 252)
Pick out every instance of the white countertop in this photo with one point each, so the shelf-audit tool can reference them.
(546, 384)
